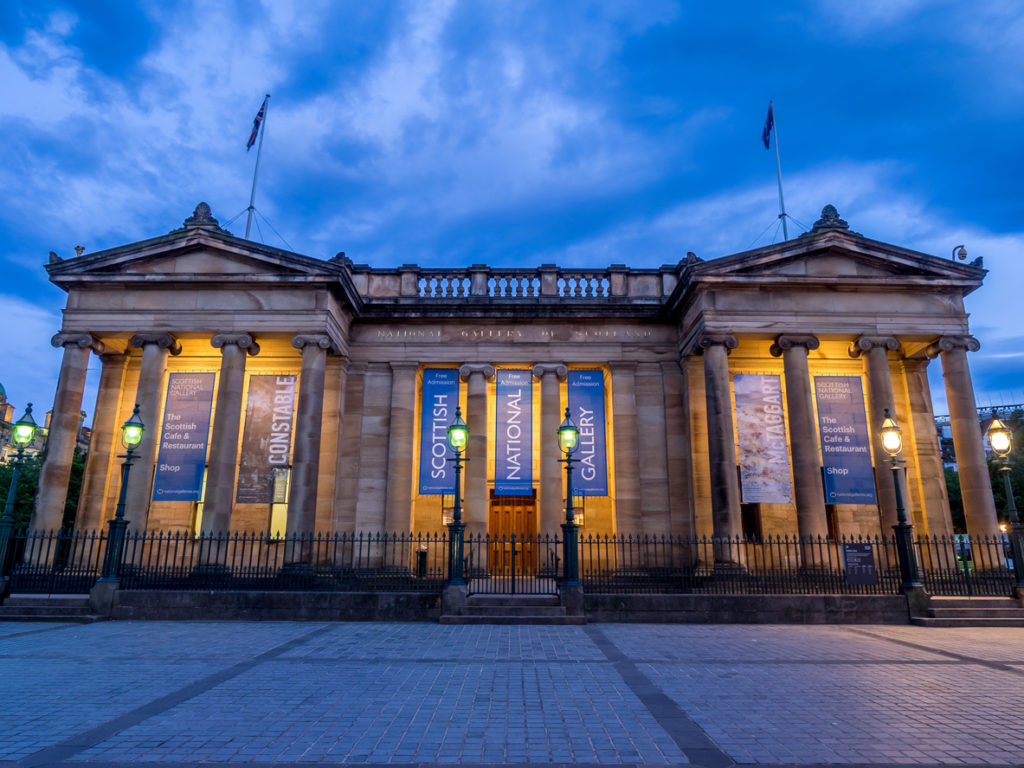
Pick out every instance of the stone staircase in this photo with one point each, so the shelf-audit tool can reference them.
(512, 609)
(972, 612)
(61, 608)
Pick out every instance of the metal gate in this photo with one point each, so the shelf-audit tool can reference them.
(513, 564)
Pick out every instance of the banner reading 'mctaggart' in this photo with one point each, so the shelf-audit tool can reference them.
(845, 441)
(267, 439)
(761, 426)
(513, 443)
(184, 437)
(437, 409)
(586, 404)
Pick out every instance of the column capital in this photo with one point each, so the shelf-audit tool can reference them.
(241, 340)
(162, 339)
(559, 369)
(949, 343)
(708, 340)
(866, 343)
(80, 340)
(467, 370)
(321, 340)
(792, 340)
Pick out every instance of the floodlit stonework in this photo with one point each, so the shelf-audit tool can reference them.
(668, 343)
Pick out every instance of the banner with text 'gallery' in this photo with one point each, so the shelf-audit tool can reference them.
(761, 427)
(267, 437)
(440, 398)
(184, 437)
(586, 404)
(845, 440)
(513, 441)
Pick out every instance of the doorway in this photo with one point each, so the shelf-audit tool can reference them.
(512, 531)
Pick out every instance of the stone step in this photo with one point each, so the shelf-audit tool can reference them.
(47, 600)
(538, 600)
(45, 610)
(930, 621)
(976, 613)
(53, 618)
(514, 610)
(471, 619)
(974, 602)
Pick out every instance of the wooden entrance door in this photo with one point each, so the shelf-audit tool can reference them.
(512, 529)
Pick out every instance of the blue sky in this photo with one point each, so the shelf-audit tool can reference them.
(510, 133)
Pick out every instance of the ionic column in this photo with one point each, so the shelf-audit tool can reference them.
(929, 455)
(652, 425)
(149, 394)
(975, 486)
(551, 513)
(374, 438)
(725, 488)
(222, 465)
(105, 435)
(808, 492)
(64, 424)
(475, 510)
(627, 459)
(403, 404)
(876, 350)
(308, 426)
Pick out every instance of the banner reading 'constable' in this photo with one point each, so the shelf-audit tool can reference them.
(267, 439)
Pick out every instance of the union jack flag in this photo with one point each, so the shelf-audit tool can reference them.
(256, 125)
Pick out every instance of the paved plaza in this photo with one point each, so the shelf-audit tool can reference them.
(188, 693)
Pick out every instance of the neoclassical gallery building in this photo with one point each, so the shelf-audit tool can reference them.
(736, 396)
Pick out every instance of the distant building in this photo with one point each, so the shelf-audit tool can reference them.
(9, 415)
(945, 429)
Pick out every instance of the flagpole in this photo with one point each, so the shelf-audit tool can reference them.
(778, 168)
(259, 152)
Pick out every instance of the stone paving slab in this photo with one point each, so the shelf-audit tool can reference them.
(135, 694)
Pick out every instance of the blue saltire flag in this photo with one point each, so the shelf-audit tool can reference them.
(256, 126)
(769, 123)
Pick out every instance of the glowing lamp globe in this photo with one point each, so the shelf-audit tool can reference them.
(458, 433)
(892, 437)
(24, 428)
(131, 430)
(568, 435)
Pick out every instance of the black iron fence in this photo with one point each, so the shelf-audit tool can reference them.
(69, 562)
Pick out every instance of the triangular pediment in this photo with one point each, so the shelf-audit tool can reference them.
(838, 256)
(186, 255)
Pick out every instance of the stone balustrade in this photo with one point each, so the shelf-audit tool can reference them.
(481, 282)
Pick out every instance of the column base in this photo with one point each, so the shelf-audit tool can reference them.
(102, 596)
(572, 599)
(454, 599)
(917, 601)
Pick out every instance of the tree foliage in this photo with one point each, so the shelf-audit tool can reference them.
(28, 488)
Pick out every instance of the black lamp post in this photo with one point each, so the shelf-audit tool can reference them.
(458, 437)
(1000, 439)
(24, 431)
(892, 444)
(568, 442)
(131, 436)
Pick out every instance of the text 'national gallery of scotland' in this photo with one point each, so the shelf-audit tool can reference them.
(740, 396)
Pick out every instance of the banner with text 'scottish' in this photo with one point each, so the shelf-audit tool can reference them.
(440, 397)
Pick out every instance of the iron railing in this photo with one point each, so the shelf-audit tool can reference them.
(339, 562)
(69, 562)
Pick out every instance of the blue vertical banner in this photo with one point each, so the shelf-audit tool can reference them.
(513, 435)
(845, 440)
(440, 397)
(586, 404)
(184, 438)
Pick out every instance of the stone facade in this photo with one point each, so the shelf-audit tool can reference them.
(668, 340)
